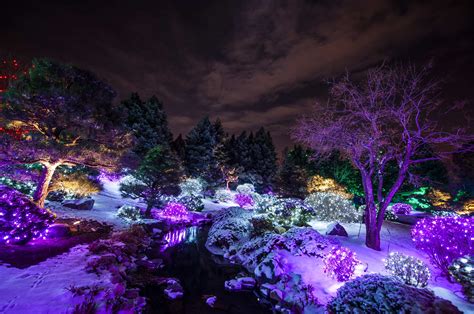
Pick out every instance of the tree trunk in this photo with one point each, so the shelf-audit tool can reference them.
(149, 206)
(43, 185)
(372, 238)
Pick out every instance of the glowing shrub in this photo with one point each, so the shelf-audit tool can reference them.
(192, 187)
(408, 268)
(263, 203)
(191, 202)
(174, 211)
(318, 183)
(20, 219)
(223, 195)
(130, 213)
(244, 200)
(375, 293)
(401, 209)
(340, 263)
(462, 270)
(332, 207)
(467, 208)
(444, 239)
(74, 185)
(245, 188)
(439, 198)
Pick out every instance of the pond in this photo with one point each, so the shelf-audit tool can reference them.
(202, 275)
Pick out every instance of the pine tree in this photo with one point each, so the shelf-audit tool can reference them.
(293, 175)
(148, 122)
(179, 147)
(264, 157)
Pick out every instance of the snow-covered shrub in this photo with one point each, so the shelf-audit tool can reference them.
(332, 207)
(272, 268)
(245, 188)
(307, 241)
(227, 233)
(223, 195)
(131, 213)
(192, 202)
(254, 251)
(462, 270)
(192, 186)
(340, 263)
(290, 212)
(444, 239)
(244, 200)
(232, 212)
(401, 209)
(375, 293)
(264, 202)
(261, 224)
(444, 213)
(411, 270)
(20, 219)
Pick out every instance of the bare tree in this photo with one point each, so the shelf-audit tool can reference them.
(388, 116)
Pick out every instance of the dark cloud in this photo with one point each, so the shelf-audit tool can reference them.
(250, 63)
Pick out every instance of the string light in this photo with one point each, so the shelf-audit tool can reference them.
(340, 263)
(408, 268)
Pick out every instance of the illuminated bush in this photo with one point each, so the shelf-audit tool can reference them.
(444, 239)
(263, 203)
(408, 268)
(439, 199)
(401, 209)
(375, 293)
(131, 213)
(192, 187)
(173, 211)
(462, 270)
(192, 202)
(244, 200)
(467, 208)
(20, 219)
(340, 263)
(223, 195)
(318, 183)
(285, 212)
(332, 207)
(75, 185)
(245, 188)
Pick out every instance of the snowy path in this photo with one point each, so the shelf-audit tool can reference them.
(42, 288)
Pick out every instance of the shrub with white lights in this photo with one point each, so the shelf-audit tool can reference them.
(129, 213)
(411, 270)
(20, 219)
(462, 270)
(192, 186)
(332, 207)
(340, 263)
(444, 239)
(245, 188)
(223, 195)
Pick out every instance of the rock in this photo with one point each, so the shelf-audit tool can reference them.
(211, 301)
(240, 284)
(59, 231)
(271, 268)
(82, 204)
(336, 229)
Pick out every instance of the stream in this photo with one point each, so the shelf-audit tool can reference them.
(202, 275)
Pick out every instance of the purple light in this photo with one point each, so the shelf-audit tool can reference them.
(173, 211)
(444, 239)
(177, 236)
(340, 263)
(401, 209)
(244, 200)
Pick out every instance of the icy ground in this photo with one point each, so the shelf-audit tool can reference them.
(42, 288)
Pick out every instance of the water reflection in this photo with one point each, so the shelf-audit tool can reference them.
(177, 236)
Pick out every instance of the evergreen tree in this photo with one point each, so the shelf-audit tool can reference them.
(264, 157)
(293, 175)
(199, 152)
(148, 122)
(159, 171)
(179, 147)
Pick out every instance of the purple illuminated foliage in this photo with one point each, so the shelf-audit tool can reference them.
(401, 209)
(20, 219)
(444, 239)
(174, 211)
(340, 263)
(244, 200)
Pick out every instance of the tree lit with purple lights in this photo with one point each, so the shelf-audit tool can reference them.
(237, 157)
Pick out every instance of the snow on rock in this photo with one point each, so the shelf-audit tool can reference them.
(81, 204)
(336, 229)
(240, 284)
(42, 288)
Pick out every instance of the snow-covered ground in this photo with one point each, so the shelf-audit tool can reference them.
(42, 288)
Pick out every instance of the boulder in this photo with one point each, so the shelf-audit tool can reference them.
(82, 204)
(336, 229)
(240, 284)
(59, 231)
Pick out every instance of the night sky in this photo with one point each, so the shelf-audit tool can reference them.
(251, 63)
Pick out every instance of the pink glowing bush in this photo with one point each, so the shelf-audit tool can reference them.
(340, 263)
(244, 200)
(401, 209)
(444, 239)
(20, 219)
(174, 211)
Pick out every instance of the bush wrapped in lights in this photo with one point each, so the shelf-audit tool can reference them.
(408, 268)
(192, 186)
(129, 213)
(462, 270)
(245, 188)
(318, 183)
(223, 195)
(375, 293)
(333, 207)
(20, 219)
(340, 263)
(173, 211)
(244, 200)
(401, 209)
(439, 199)
(444, 239)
